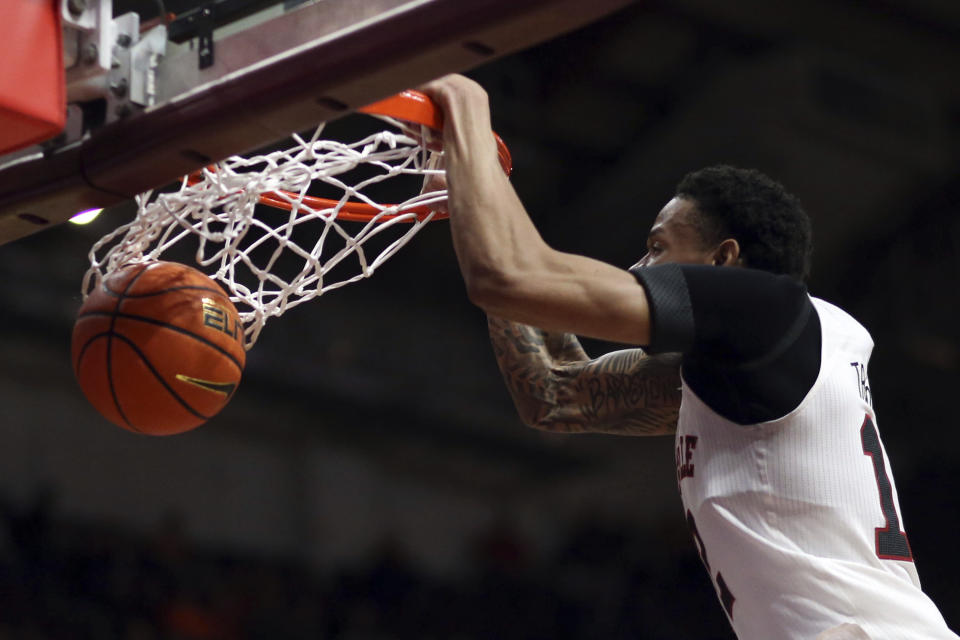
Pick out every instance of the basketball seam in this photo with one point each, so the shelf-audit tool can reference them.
(157, 375)
(113, 322)
(186, 287)
(108, 334)
(159, 323)
(83, 350)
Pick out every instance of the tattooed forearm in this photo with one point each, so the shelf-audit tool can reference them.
(519, 337)
(556, 387)
(525, 356)
(628, 392)
(564, 347)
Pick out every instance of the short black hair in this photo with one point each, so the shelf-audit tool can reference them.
(771, 227)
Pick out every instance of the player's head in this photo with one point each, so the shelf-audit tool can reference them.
(727, 216)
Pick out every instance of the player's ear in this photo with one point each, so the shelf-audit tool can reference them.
(727, 254)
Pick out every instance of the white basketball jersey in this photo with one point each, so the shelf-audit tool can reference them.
(797, 519)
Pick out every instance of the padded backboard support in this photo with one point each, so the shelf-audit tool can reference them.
(32, 101)
(309, 65)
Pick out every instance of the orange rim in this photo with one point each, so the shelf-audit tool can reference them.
(415, 106)
(409, 106)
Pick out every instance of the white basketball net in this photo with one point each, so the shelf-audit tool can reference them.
(245, 253)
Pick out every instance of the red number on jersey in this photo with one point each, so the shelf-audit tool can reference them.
(723, 591)
(891, 542)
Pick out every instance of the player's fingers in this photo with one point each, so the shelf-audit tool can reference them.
(466, 115)
(443, 86)
(454, 92)
(437, 90)
(423, 135)
(436, 182)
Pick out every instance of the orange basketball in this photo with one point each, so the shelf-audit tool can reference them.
(158, 348)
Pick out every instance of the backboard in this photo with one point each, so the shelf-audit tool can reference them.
(150, 103)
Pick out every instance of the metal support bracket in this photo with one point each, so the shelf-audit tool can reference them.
(205, 23)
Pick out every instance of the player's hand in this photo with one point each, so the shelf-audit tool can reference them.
(437, 182)
(455, 93)
(466, 112)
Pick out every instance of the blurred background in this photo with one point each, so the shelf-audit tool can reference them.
(370, 479)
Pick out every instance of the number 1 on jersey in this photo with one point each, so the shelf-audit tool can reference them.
(723, 591)
(891, 542)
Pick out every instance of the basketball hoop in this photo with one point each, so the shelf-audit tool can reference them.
(274, 261)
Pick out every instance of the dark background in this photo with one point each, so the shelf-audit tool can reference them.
(854, 106)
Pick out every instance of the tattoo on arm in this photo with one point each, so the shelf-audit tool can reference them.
(557, 387)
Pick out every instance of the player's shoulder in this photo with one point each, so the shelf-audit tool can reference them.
(834, 321)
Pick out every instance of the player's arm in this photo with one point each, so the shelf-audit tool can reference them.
(508, 269)
(556, 387)
(752, 339)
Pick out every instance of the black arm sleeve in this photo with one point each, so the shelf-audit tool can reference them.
(750, 339)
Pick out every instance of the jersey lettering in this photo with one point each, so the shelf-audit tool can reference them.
(891, 542)
(684, 457)
(863, 384)
(723, 591)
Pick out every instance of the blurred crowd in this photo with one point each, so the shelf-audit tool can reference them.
(80, 580)
(63, 579)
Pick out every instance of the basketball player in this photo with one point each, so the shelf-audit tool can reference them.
(784, 480)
